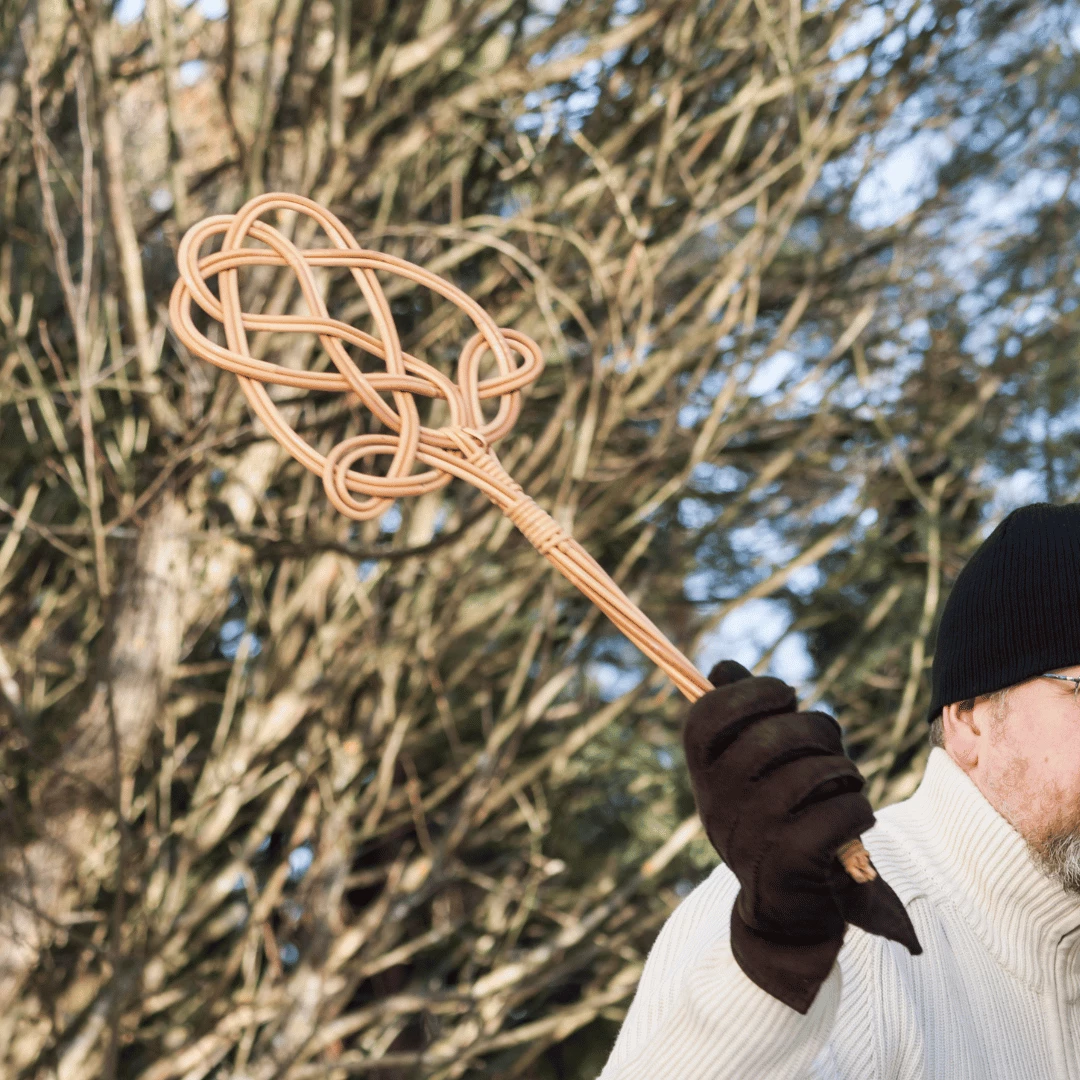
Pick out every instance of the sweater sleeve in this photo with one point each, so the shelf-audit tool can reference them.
(696, 1015)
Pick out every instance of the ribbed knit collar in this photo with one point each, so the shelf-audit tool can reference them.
(981, 865)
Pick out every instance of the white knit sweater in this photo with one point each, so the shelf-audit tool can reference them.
(994, 996)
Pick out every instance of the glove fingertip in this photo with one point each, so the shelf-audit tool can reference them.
(727, 672)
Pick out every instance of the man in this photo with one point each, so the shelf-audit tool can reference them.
(961, 960)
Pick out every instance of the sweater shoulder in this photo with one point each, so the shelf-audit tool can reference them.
(702, 918)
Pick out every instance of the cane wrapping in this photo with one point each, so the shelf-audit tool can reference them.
(462, 449)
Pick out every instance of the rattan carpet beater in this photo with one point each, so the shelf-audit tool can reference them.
(463, 449)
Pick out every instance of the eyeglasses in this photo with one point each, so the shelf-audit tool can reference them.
(1074, 679)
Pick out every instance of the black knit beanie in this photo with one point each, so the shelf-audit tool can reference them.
(1014, 611)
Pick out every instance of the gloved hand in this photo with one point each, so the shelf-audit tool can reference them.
(778, 798)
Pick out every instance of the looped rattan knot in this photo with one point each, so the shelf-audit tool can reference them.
(473, 444)
(468, 438)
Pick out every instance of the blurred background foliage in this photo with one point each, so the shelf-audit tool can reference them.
(288, 797)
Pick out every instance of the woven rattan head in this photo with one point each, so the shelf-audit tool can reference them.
(463, 443)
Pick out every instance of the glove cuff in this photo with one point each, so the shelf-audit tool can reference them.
(791, 971)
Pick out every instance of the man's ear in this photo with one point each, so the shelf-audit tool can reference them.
(961, 733)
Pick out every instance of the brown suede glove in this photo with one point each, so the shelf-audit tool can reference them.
(779, 797)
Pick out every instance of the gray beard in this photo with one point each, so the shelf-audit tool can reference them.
(1059, 858)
